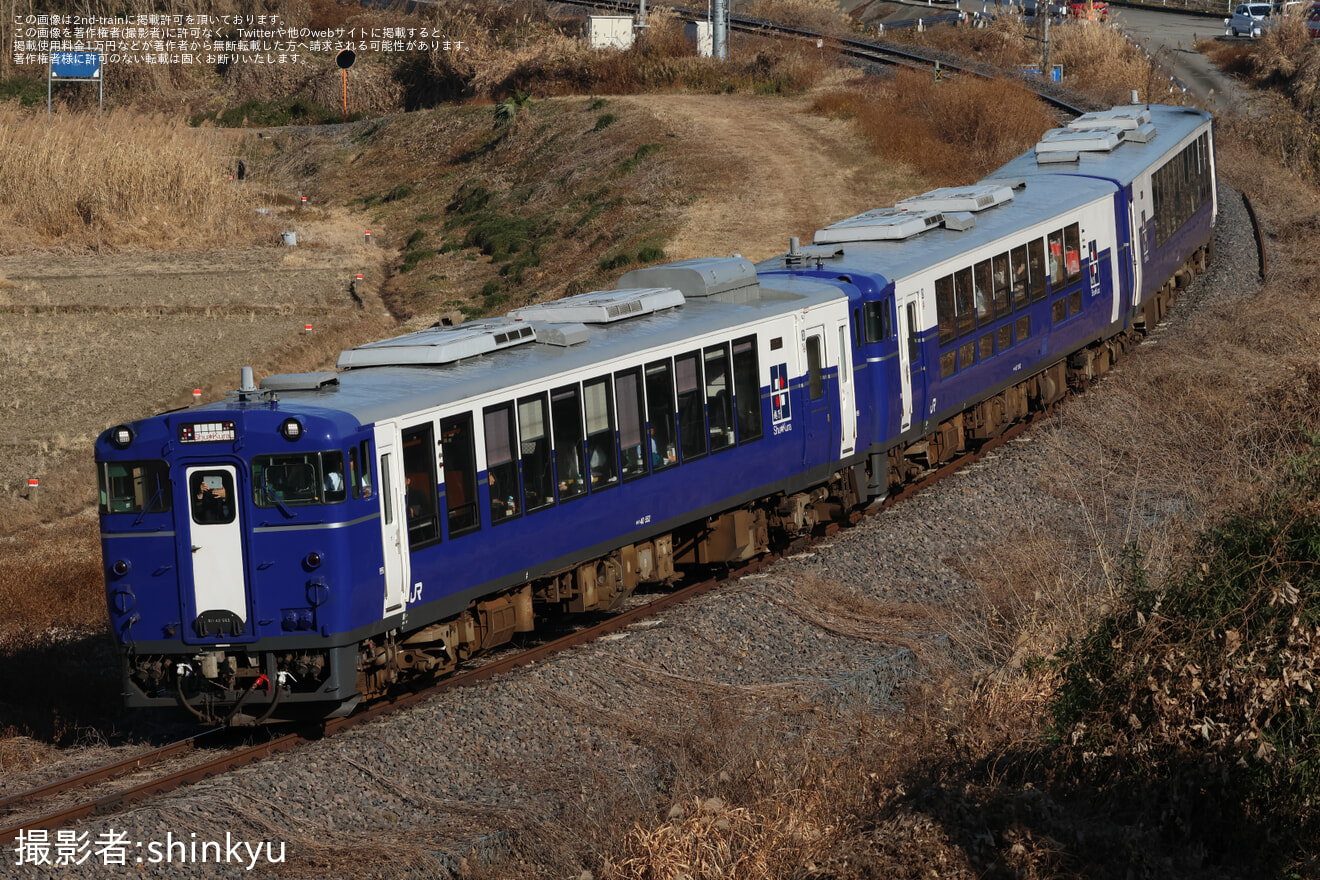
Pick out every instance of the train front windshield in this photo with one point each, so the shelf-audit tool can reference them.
(298, 479)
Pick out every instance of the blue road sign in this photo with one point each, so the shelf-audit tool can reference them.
(75, 65)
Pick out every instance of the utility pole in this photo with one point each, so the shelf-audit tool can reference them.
(720, 30)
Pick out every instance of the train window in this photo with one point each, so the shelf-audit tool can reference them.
(1023, 328)
(458, 452)
(1075, 303)
(815, 375)
(1003, 301)
(966, 355)
(719, 398)
(985, 311)
(914, 344)
(354, 480)
(419, 484)
(212, 494)
(387, 497)
(857, 328)
(660, 414)
(1056, 259)
(298, 479)
(501, 463)
(986, 346)
(1059, 309)
(880, 323)
(634, 452)
(365, 446)
(691, 407)
(1018, 263)
(134, 486)
(566, 412)
(747, 388)
(1036, 265)
(602, 451)
(944, 312)
(964, 299)
(948, 363)
(534, 444)
(1005, 337)
(1072, 252)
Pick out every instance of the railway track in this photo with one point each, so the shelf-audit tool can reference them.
(876, 52)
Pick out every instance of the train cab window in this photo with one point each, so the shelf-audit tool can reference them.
(661, 416)
(719, 398)
(944, 311)
(298, 479)
(985, 346)
(1036, 266)
(1020, 280)
(634, 449)
(691, 407)
(981, 283)
(964, 301)
(1056, 260)
(602, 451)
(420, 486)
(534, 444)
(134, 487)
(212, 494)
(501, 463)
(365, 446)
(966, 355)
(566, 412)
(880, 323)
(747, 387)
(948, 363)
(1072, 252)
(1022, 329)
(354, 479)
(1005, 337)
(1003, 298)
(458, 453)
(815, 369)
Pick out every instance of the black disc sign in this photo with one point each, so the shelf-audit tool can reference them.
(345, 59)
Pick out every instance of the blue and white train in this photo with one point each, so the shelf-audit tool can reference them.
(306, 542)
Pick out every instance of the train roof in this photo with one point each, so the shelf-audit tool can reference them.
(1032, 202)
(1149, 131)
(1070, 167)
(422, 370)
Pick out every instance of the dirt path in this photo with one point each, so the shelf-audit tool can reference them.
(807, 171)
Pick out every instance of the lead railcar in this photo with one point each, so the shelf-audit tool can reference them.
(307, 541)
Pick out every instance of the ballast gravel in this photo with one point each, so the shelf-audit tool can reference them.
(464, 775)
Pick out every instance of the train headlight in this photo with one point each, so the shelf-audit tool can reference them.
(291, 429)
(121, 436)
(121, 567)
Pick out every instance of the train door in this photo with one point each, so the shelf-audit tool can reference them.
(818, 441)
(847, 395)
(215, 535)
(911, 367)
(393, 521)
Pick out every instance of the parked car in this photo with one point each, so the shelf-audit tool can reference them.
(1251, 19)
(1313, 21)
(1089, 10)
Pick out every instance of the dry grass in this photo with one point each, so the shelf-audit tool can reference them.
(127, 180)
(954, 132)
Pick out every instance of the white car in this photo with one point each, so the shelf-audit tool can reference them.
(1250, 19)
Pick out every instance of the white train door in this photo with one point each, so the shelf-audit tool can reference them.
(216, 538)
(393, 520)
(847, 401)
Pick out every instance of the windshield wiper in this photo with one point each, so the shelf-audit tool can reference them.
(160, 490)
(270, 494)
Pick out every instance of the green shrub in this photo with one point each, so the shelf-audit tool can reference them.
(604, 121)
